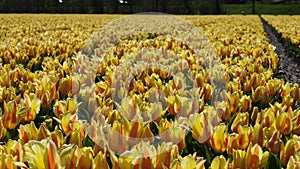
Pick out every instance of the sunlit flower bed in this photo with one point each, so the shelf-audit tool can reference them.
(287, 25)
(253, 125)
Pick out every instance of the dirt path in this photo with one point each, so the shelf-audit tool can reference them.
(289, 67)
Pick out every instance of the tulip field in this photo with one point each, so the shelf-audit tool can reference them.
(290, 32)
(149, 100)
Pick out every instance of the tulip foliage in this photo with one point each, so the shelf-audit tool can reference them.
(158, 119)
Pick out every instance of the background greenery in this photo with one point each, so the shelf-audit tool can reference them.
(166, 6)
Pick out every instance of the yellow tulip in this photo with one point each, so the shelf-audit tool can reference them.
(219, 139)
(66, 122)
(219, 162)
(257, 136)
(287, 151)
(65, 85)
(244, 136)
(173, 131)
(288, 100)
(46, 99)
(75, 138)
(2, 130)
(58, 137)
(142, 155)
(296, 122)
(206, 91)
(255, 157)
(43, 132)
(129, 108)
(100, 160)
(28, 132)
(166, 152)
(15, 148)
(247, 86)
(33, 104)
(246, 103)
(7, 161)
(255, 116)
(42, 154)
(268, 118)
(232, 143)
(174, 104)
(241, 119)
(116, 136)
(260, 94)
(293, 164)
(233, 101)
(12, 116)
(238, 159)
(190, 162)
(86, 159)
(59, 108)
(295, 93)
(202, 129)
(284, 123)
(275, 143)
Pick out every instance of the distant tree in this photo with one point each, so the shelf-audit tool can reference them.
(97, 6)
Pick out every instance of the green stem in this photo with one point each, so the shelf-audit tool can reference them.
(207, 154)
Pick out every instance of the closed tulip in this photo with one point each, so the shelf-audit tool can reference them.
(255, 157)
(202, 129)
(219, 139)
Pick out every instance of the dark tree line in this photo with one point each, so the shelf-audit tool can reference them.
(113, 6)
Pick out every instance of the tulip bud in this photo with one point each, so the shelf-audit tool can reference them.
(284, 123)
(257, 135)
(65, 86)
(219, 138)
(246, 103)
(241, 119)
(275, 143)
(100, 160)
(219, 162)
(255, 157)
(202, 130)
(12, 116)
(287, 151)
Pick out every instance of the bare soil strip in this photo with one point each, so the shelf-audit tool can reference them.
(289, 67)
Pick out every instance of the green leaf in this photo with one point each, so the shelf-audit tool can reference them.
(273, 162)
(88, 142)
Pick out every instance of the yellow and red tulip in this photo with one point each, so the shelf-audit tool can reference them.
(15, 148)
(246, 103)
(219, 139)
(241, 119)
(238, 159)
(166, 152)
(293, 164)
(116, 137)
(219, 162)
(257, 136)
(58, 138)
(202, 129)
(12, 117)
(287, 151)
(255, 157)
(33, 104)
(173, 131)
(42, 154)
(2, 130)
(284, 123)
(274, 144)
(28, 132)
(100, 160)
(243, 138)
